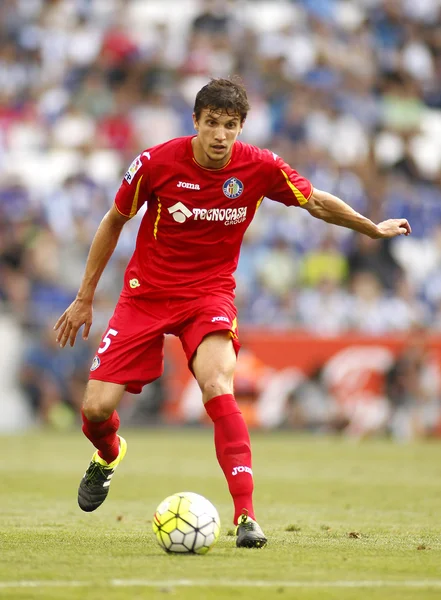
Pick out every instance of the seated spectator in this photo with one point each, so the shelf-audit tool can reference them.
(373, 256)
(277, 268)
(324, 308)
(413, 386)
(53, 381)
(406, 310)
(214, 18)
(369, 310)
(326, 262)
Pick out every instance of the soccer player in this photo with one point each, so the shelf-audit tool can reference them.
(201, 193)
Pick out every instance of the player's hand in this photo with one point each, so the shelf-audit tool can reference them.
(392, 228)
(79, 313)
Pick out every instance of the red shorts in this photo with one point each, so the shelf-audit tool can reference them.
(131, 352)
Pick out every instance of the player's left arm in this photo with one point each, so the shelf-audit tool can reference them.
(329, 208)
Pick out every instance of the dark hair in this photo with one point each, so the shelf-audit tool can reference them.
(227, 95)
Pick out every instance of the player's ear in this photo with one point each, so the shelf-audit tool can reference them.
(195, 122)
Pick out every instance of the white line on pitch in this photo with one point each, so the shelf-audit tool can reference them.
(278, 583)
(42, 584)
(416, 584)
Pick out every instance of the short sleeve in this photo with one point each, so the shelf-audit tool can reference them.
(134, 189)
(286, 185)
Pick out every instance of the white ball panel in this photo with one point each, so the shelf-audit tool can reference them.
(200, 541)
(177, 536)
(180, 548)
(189, 539)
(210, 539)
(204, 520)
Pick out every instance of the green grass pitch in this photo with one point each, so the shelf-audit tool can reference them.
(345, 520)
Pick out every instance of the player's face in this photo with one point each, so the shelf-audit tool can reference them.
(217, 132)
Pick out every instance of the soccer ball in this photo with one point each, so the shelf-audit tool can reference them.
(186, 522)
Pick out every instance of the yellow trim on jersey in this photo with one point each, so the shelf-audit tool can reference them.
(207, 169)
(134, 208)
(158, 216)
(121, 213)
(301, 199)
(234, 329)
(259, 202)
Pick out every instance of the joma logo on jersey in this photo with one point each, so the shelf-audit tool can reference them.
(189, 186)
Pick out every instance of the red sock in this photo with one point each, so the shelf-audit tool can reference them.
(233, 451)
(103, 436)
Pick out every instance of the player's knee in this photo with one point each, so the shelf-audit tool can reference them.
(101, 399)
(96, 411)
(216, 385)
(95, 407)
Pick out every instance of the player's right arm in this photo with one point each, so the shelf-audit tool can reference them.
(79, 313)
(132, 194)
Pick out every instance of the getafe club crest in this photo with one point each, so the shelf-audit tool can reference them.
(95, 363)
(232, 188)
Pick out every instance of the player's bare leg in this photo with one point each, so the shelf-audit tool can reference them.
(100, 426)
(213, 365)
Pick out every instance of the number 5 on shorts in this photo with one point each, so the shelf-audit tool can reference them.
(107, 340)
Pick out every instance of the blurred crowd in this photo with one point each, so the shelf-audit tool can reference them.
(346, 91)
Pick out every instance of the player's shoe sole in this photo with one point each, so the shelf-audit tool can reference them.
(249, 533)
(94, 486)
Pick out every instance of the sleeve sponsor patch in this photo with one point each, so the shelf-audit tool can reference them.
(133, 169)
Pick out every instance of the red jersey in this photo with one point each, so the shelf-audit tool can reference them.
(189, 239)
